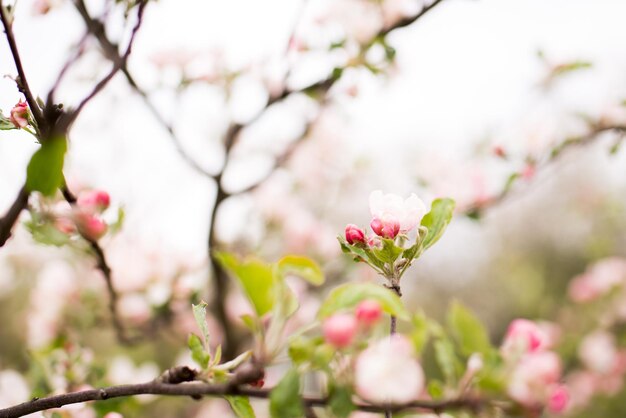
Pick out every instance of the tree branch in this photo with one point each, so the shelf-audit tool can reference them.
(476, 209)
(8, 221)
(117, 65)
(197, 389)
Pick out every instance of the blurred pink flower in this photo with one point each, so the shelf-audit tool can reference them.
(598, 279)
(368, 312)
(390, 209)
(339, 330)
(598, 352)
(387, 372)
(524, 336)
(93, 201)
(533, 377)
(19, 114)
(558, 399)
(89, 225)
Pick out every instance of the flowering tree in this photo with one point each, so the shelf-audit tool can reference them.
(296, 332)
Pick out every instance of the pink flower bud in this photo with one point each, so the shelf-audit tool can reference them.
(19, 115)
(558, 399)
(93, 201)
(90, 226)
(386, 228)
(528, 172)
(354, 234)
(524, 336)
(368, 312)
(339, 330)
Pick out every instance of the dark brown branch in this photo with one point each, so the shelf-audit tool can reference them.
(80, 49)
(8, 221)
(110, 51)
(117, 65)
(198, 389)
(22, 81)
(410, 19)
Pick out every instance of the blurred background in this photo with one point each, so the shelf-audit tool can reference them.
(508, 106)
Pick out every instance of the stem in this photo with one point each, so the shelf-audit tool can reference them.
(395, 286)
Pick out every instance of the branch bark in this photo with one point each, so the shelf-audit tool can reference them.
(197, 389)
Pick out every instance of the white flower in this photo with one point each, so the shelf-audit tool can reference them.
(407, 212)
(387, 372)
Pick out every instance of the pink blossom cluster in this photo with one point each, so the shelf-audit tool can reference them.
(604, 368)
(391, 215)
(599, 279)
(341, 329)
(535, 372)
(85, 217)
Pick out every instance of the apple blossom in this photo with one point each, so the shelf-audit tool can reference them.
(598, 352)
(386, 227)
(93, 200)
(387, 372)
(533, 376)
(354, 234)
(339, 330)
(390, 209)
(90, 226)
(19, 115)
(598, 279)
(524, 336)
(558, 399)
(368, 312)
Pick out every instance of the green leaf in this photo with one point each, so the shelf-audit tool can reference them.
(446, 360)
(241, 406)
(250, 322)
(349, 295)
(302, 349)
(420, 333)
(389, 253)
(199, 314)
(285, 399)
(467, 330)
(340, 401)
(302, 267)
(5, 123)
(436, 389)
(45, 170)
(116, 226)
(198, 354)
(362, 253)
(437, 220)
(47, 234)
(256, 278)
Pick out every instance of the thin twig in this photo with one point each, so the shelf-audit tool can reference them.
(22, 82)
(80, 49)
(555, 154)
(116, 66)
